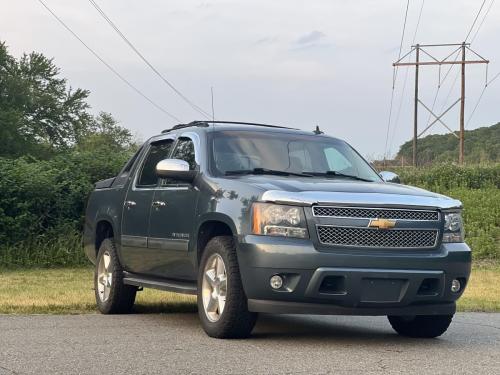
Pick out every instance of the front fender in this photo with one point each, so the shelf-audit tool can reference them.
(217, 216)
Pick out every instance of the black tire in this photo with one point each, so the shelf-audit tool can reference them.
(235, 321)
(121, 297)
(421, 326)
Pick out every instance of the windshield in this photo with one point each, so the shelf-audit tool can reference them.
(240, 152)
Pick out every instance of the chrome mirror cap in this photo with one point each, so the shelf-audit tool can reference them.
(390, 177)
(176, 169)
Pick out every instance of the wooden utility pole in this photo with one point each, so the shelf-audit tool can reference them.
(422, 49)
(415, 115)
(462, 108)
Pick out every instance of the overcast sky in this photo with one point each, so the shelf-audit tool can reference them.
(289, 62)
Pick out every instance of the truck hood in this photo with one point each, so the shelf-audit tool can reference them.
(310, 191)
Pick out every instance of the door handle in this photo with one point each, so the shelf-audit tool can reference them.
(158, 204)
(129, 204)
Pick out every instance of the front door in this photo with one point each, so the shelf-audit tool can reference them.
(172, 219)
(135, 256)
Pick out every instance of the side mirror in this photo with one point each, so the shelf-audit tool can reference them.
(390, 177)
(176, 169)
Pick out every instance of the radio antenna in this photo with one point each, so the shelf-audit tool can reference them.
(213, 111)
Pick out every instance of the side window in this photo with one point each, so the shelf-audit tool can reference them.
(185, 151)
(126, 170)
(158, 151)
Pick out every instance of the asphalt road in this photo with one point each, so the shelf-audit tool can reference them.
(176, 344)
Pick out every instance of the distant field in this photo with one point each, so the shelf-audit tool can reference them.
(69, 291)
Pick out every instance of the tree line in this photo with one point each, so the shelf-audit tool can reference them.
(481, 145)
(52, 151)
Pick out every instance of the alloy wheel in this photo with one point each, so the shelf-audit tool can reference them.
(104, 276)
(214, 287)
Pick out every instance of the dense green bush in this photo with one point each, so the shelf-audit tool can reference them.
(477, 187)
(38, 195)
(449, 176)
(42, 205)
(482, 219)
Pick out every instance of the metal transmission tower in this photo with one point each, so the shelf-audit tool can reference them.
(421, 49)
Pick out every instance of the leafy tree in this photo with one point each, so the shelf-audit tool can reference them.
(38, 113)
(104, 133)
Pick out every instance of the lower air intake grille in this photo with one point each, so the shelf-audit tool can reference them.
(365, 237)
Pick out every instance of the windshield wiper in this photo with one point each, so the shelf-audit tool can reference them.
(266, 171)
(338, 174)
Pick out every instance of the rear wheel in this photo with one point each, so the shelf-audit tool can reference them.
(421, 326)
(222, 303)
(111, 294)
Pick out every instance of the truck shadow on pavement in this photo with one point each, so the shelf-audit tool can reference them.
(336, 328)
(306, 328)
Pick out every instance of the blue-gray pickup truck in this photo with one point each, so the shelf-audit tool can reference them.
(257, 218)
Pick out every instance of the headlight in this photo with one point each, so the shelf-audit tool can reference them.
(453, 227)
(278, 220)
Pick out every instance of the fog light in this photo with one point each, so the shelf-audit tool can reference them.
(276, 282)
(455, 286)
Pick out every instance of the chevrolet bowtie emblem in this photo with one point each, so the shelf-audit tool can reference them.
(382, 223)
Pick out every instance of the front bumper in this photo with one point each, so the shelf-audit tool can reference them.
(344, 281)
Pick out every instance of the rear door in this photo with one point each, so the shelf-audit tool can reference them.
(135, 256)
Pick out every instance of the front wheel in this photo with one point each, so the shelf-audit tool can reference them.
(111, 294)
(421, 326)
(222, 303)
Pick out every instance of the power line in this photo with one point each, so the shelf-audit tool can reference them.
(494, 77)
(439, 88)
(405, 80)
(473, 38)
(146, 61)
(481, 24)
(475, 107)
(403, 33)
(475, 20)
(481, 96)
(394, 77)
(113, 70)
(456, 58)
(434, 61)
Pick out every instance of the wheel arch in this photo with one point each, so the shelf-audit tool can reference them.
(212, 226)
(103, 229)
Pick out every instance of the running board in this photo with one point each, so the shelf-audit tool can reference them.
(184, 287)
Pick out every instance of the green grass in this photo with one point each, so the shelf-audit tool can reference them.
(69, 291)
(482, 292)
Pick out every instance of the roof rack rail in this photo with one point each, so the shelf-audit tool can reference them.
(180, 126)
(205, 123)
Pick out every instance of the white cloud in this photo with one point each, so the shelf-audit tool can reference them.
(310, 38)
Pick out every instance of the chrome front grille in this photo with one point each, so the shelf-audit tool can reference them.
(367, 237)
(376, 213)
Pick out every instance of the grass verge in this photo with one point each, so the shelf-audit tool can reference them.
(69, 291)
